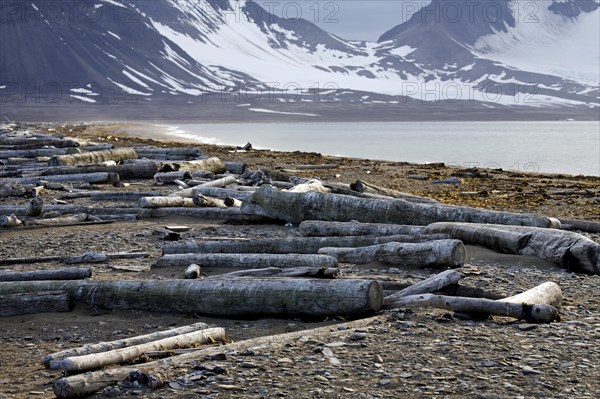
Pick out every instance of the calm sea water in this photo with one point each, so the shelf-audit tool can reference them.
(549, 147)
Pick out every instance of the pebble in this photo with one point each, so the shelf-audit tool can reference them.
(249, 365)
(378, 359)
(357, 336)
(385, 382)
(527, 327)
(320, 378)
(527, 370)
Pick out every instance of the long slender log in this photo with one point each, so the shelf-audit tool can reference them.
(95, 178)
(21, 210)
(166, 202)
(210, 202)
(566, 249)
(432, 284)
(231, 214)
(548, 293)
(289, 245)
(189, 192)
(364, 187)
(34, 302)
(175, 151)
(58, 221)
(40, 142)
(34, 153)
(122, 355)
(222, 193)
(239, 297)
(213, 165)
(296, 207)
(317, 228)
(118, 154)
(245, 260)
(85, 384)
(57, 274)
(582, 225)
(435, 254)
(66, 259)
(170, 177)
(138, 170)
(120, 196)
(318, 272)
(121, 343)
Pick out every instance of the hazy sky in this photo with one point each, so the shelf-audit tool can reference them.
(350, 19)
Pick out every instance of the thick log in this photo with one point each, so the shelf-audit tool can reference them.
(232, 214)
(170, 177)
(122, 355)
(213, 165)
(95, 178)
(21, 210)
(168, 152)
(210, 202)
(40, 142)
(289, 245)
(57, 274)
(435, 254)
(12, 190)
(85, 384)
(245, 260)
(233, 298)
(166, 202)
(120, 196)
(192, 271)
(232, 202)
(222, 193)
(34, 302)
(138, 170)
(34, 153)
(237, 168)
(548, 293)
(35, 207)
(10, 221)
(566, 249)
(121, 343)
(117, 155)
(317, 228)
(364, 187)
(311, 185)
(58, 221)
(189, 192)
(582, 225)
(432, 284)
(295, 208)
(315, 272)
(203, 174)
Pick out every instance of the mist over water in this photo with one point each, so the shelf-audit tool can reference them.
(545, 147)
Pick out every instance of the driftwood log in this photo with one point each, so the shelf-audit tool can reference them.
(237, 297)
(314, 272)
(35, 302)
(58, 221)
(170, 177)
(548, 293)
(118, 154)
(432, 284)
(35, 207)
(213, 165)
(361, 186)
(166, 202)
(231, 214)
(138, 170)
(189, 192)
(120, 196)
(297, 207)
(317, 228)
(218, 192)
(192, 271)
(121, 343)
(289, 245)
(56, 274)
(163, 370)
(132, 352)
(566, 249)
(246, 260)
(94, 178)
(10, 221)
(210, 202)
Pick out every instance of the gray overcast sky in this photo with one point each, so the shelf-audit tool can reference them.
(349, 19)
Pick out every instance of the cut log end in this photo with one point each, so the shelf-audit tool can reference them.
(375, 296)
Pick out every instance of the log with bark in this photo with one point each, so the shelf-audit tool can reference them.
(245, 260)
(314, 272)
(582, 225)
(233, 297)
(138, 170)
(58, 221)
(40, 142)
(364, 187)
(120, 196)
(317, 228)
(35, 302)
(288, 245)
(132, 352)
(121, 343)
(566, 249)
(434, 254)
(209, 202)
(166, 202)
(160, 371)
(170, 177)
(189, 192)
(34, 153)
(56, 274)
(168, 153)
(432, 284)
(95, 178)
(297, 207)
(35, 207)
(230, 214)
(118, 154)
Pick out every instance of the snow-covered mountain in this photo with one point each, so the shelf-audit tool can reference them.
(489, 52)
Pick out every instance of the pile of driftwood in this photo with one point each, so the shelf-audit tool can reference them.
(357, 224)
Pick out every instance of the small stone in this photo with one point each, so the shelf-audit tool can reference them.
(405, 375)
(385, 382)
(36, 392)
(527, 327)
(357, 336)
(219, 356)
(249, 365)
(527, 370)
(284, 360)
(377, 359)
(320, 378)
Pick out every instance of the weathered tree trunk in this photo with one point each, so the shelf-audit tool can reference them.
(435, 254)
(245, 260)
(40, 142)
(240, 297)
(128, 217)
(122, 343)
(364, 187)
(548, 293)
(95, 178)
(85, 384)
(34, 302)
(57, 274)
(58, 221)
(210, 202)
(170, 177)
(34, 153)
(13, 190)
(192, 271)
(582, 225)
(213, 165)
(289, 245)
(232, 202)
(203, 174)
(137, 170)
(120, 196)
(149, 152)
(166, 202)
(309, 186)
(21, 210)
(87, 257)
(566, 249)
(122, 355)
(10, 221)
(432, 284)
(189, 192)
(117, 155)
(222, 193)
(35, 207)
(295, 208)
(232, 214)
(317, 228)
(237, 168)
(315, 272)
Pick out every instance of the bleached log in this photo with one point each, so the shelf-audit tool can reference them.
(210, 202)
(289, 245)
(117, 155)
(548, 293)
(69, 259)
(189, 192)
(138, 170)
(56, 274)
(192, 271)
(35, 302)
(213, 165)
(170, 177)
(95, 178)
(435, 254)
(311, 185)
(321, 272)
(532, 313)
(295, 208)
(245, 260)
(113, 218)
(566, 249)
(432, 284)
(232, 202)
(317, 228)
(121, 343)
(239, 297)
(364, 187)
(157, 372)
(58, 221)
(166, 202)
(10, 221)
(122, 355)
(222, 193)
